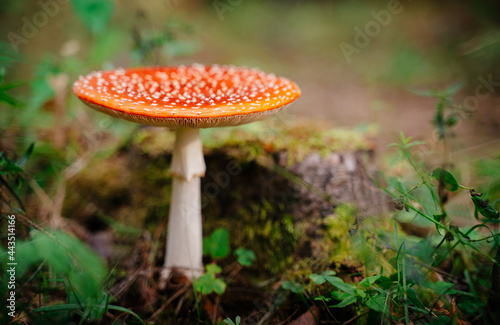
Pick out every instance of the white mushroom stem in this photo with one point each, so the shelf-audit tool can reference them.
(184, 238)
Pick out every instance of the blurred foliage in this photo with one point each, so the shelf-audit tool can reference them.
(380, 269)
(94, 14)
(157, 47)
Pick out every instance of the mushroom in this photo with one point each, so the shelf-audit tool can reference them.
(186, 98)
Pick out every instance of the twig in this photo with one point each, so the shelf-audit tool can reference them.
(328, 310)
(169, 301)
(236, 269)
(14, 194)
(265, 317)
(355, 317)
(30, 223)
(46, 202)
(288, 318)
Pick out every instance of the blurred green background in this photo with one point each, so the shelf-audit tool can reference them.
(425, 45)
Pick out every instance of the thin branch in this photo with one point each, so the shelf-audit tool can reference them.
(355, 317)
(13, 193)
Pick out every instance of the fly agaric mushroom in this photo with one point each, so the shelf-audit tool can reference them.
(186, 98)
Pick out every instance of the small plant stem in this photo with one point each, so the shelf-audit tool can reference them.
(396, 231)
(479, 251)
(354, 318)
(450, 249)
(304, 300)
(383, 311)
(32, 276)
(494, 312)
(198, 306)
(414, 188)
(446, 228)
(412, 207)
(403, 247)
(485, 238)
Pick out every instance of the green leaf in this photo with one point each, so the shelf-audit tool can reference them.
(293, 287)
(213, 269)
(412, 295)
(21, 162)
(442, 287)
(204, 284)
(8, 167)
(67, 256)
(347, 301)
(245, 256)
(482, 206)
(322, 298)
(328, 273)
(57, 308)
(318, 279)
(208, 283)
(94, 14)
(340, 295)
(384, 282)
(438, 217)
(228, 321)
(5, 87)
(360, 293)
(322, 278)
(378, 304)
(126, 310)
(369, 280)
(340, 284)
(446, 179)
(217, 245)
(219, 286)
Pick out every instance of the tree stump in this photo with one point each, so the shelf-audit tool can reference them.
(260, 184)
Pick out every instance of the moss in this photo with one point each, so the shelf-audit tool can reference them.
(260, 226)
(297, 138)
(131, 190)
(154, 141)
(133, 187)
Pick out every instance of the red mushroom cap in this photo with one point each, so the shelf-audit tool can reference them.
(194, 96)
